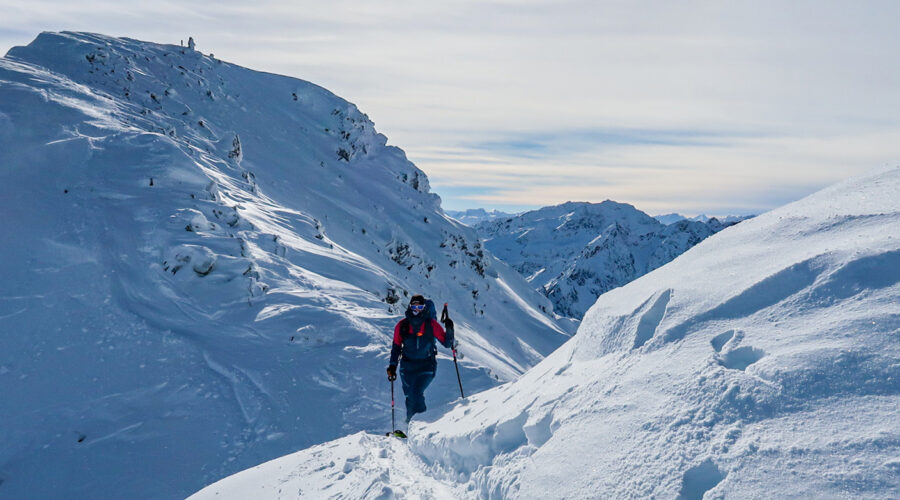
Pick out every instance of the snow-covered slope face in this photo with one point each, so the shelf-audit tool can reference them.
(574, 252)
(761, 363)
(202, 266)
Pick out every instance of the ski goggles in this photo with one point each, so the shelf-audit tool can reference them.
(417, 307)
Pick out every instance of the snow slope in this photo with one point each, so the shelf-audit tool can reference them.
(202, 266)
(574, 252)
(762, 363)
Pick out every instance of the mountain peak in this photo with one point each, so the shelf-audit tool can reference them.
(576, 251)
(209, 263)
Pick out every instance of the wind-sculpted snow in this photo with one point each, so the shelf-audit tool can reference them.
(202, 268)
(574, 252)
(761, 363)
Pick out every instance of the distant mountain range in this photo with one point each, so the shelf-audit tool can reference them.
(673, 218)
(574, 252)
(473, 216)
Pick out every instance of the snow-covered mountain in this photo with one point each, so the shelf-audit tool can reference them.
(202, 266)
(473, 216)
(669, 218)
(762, 363)
(574, 252)
(727, 219)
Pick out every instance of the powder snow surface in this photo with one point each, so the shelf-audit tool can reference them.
(762, 363)
(201, 270)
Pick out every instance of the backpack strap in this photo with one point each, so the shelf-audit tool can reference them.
(407, 329)
(404, 327)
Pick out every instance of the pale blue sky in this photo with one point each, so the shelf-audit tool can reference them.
(696, 107)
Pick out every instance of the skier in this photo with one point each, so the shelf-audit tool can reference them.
(414, 346)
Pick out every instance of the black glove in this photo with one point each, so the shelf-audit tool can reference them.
(392, 372)
(448, 324)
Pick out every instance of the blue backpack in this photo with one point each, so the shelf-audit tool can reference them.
(430, 310)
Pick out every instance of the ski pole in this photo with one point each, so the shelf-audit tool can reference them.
(393, 425)
(457, 374)
(444, 317)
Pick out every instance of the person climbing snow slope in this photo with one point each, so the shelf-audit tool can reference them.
(415, 349)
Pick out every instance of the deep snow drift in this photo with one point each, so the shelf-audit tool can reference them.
(761, 363)
(202, 266)
(576, 251)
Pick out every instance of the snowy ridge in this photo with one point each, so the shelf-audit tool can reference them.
(206, 262)
(574, 252)
(762, 362)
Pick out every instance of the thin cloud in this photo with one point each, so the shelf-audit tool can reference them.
(611, 99)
